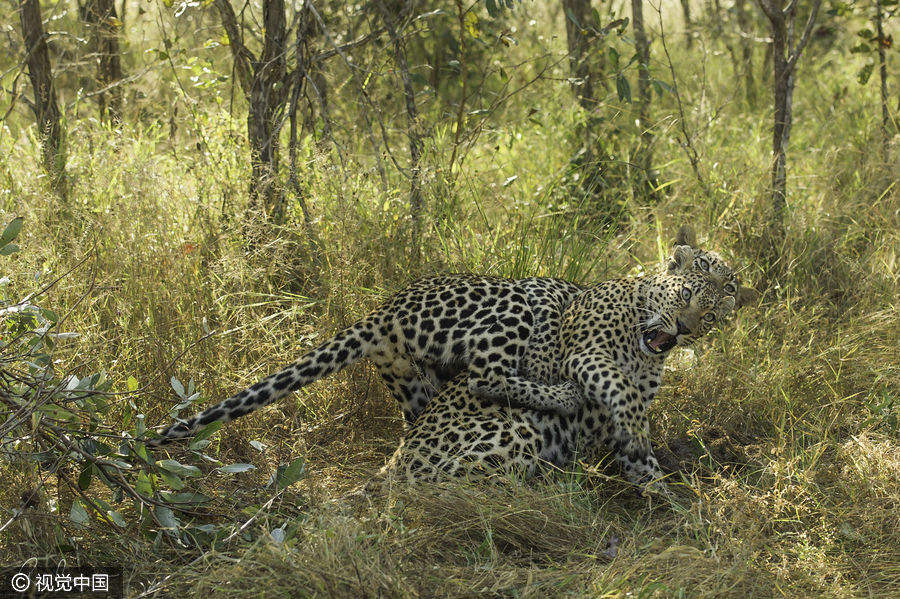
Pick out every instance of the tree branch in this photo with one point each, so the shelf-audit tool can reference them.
(795, 55)
(790, 8)
(242, 56)
(769, 7)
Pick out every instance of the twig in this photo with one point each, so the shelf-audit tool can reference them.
(461, 14)
(687, 145)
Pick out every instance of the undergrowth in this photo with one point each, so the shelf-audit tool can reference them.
(780, 431)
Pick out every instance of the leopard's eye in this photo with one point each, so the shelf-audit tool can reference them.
(730, 289)
(686, 294)
(704, 264)
(709, 317)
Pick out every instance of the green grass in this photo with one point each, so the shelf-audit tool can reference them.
(781, 429)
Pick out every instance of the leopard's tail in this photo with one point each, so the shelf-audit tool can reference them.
(347, 347)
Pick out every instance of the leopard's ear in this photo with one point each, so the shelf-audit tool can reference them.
(746, 296)
(726, 305)
(682, 260)
(686, 236)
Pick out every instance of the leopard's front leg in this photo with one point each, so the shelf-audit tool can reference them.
(611, 396)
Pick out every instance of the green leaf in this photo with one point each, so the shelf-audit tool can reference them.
(595, 14)
(867, 34)
(503, 76)
(471, 24)
(864, 74)
(491, 6)
(634, 59)
(176, 468)
(661, 86)
(115, 517)
(232, 468)
(860, 48)
(292, 473)
(9, 249)
(132, 383)
(840, 9)
(166, 518)
(179, 388)
(420, 79)
(11, 231)
(172, 480)
(623, 89)
(205, 433)
(84, 479)
(78, 514)
(614, 57)
(185, 497)
(572, 18)
(143, 485)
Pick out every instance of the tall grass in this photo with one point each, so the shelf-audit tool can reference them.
(780, 430)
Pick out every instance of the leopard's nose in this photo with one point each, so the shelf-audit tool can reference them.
(682, 329)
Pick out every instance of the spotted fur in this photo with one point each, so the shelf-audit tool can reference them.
(496, 329)
(503, 333)
(615, 339)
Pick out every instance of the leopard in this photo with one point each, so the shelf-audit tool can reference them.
(501, 332)
(424, 336)
(614, 338)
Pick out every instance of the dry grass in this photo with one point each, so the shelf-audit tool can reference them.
(780, 431)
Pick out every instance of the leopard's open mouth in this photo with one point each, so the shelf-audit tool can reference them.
(659, 341)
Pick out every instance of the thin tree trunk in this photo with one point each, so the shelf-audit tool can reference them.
(266, 101)
(745, 25)
(584, 72)
(577, 37)
(45, 106)
(412, 116)
(644, 154)
(102, 18)
(688, 26)
(785, 57)
(260, 81)
(299, 74)
(782, 80)
(882, 62)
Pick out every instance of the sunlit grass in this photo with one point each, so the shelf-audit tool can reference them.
(782, 428)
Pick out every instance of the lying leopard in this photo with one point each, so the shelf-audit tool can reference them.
(615, 339)
(503, 333)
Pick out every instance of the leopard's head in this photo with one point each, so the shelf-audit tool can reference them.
(682, 308)
(709, 262)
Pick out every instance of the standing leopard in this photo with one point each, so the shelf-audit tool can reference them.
(615, 338)
(502, 332)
